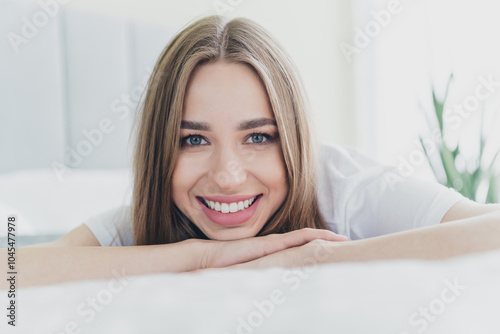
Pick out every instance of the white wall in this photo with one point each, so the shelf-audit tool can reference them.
(309, 30)
(420, 47)
(65, 79)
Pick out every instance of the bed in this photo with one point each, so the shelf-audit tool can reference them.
(458, 295)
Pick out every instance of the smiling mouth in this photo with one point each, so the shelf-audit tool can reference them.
(228, 207)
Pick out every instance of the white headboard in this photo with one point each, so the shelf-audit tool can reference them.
(69, 85)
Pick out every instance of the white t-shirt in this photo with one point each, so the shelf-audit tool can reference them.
(358, 198)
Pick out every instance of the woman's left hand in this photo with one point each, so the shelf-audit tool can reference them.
(313, 253)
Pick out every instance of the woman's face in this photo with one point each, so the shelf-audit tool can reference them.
(230, 176)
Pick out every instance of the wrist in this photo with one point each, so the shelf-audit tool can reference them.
(182, 256)
(321, 251)
(342, 251)
(193, 252)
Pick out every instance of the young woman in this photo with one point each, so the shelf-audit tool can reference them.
(226, 176)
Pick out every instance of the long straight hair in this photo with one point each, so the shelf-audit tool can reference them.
(156, 218)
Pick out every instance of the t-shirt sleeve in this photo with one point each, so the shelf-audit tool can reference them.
(366, 199)
(113, 227)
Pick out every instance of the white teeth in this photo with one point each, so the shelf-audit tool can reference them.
(229, 207)
(233, 207)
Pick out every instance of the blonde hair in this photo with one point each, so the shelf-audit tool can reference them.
(156, 218)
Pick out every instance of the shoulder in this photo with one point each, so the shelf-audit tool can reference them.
(347, 160)
(344, 175)
(360, 197)
(347, 168)
(118, 215)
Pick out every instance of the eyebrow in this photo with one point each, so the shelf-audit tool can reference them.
(256, 123)
(202, 126)
(246, 125)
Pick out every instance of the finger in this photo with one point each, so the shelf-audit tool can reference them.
(332, 236)
(277, 242)
(249, 249)
(293, 257)
(244, 250)
(305, 235)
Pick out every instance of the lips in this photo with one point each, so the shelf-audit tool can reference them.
(229, 210)
(228, 205)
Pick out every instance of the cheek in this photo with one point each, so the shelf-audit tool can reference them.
(183, 179)
(278, 178)
(270, 170)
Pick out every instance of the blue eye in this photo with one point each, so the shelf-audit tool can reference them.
(193, 140)
(259, 138)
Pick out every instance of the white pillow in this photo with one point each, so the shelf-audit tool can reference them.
(44, 205)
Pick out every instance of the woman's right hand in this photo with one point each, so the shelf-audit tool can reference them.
(219, 254)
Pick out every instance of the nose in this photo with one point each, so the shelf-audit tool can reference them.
(227, 170)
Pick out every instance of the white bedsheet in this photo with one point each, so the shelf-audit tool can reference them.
(377, 297)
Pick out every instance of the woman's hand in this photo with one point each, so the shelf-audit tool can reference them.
(267, 249)
(429, 243)
(310, 254)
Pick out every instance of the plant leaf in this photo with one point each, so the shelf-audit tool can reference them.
(439, 104)
(492, 196)
(428, 158)
(449, 166)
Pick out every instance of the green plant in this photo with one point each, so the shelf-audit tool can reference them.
(465, 181)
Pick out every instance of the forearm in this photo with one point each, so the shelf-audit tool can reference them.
(50, 265)
(456, 238)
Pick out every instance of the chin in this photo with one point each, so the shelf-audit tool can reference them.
(231, 235)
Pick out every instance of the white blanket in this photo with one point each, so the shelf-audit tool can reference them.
(459, 295)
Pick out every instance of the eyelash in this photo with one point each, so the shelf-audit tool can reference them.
(268, 139)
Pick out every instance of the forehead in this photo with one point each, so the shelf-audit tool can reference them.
(221, 88)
